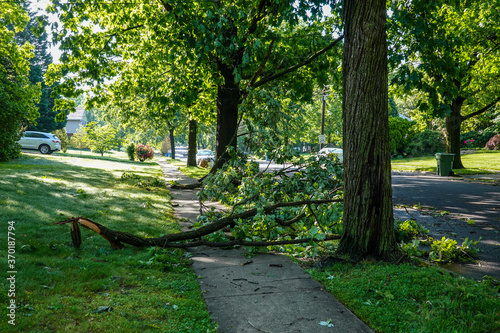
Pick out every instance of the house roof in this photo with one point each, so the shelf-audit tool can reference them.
(79, 114)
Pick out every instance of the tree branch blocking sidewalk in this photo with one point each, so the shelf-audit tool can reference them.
(117, 238)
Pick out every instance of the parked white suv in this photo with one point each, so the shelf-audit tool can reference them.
(46, 143)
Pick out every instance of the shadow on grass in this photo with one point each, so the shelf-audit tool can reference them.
(61, 288)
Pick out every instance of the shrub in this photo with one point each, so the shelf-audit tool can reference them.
(131, 151)
(9, 148)
(475, 139)
(99, 138)
(63, 137)
(77, 140)
(426, 143)
(493, 143)
(144, 152)
(400, 134)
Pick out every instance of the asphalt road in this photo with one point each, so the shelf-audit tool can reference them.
(474, 200)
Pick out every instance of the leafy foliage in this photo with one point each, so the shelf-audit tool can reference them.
(426, 143)
(36, 34)
(77, 140)
(447, 250)
(63, 137)
(18, 97)
(449, 51)
(131, 151)
(412, 235)
(409, 229)
(242, 186)
(144, 152)
(224, 52)
(480, 138)
(99, 138)
(401, 133)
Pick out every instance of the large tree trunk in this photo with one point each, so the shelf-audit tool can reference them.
(453, 129)
(228, 100)
(172, 140)
(368, 224)
(191, 161)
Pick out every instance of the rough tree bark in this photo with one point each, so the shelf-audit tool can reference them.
(454, 124)
(368, 222)
(228, 100)
(453, 129)
(193, 126)
(172, 140)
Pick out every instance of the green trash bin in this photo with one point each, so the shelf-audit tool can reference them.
(444, 164)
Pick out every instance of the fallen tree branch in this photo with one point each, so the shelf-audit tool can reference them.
(186, 186)
(117, 238)
(250, 243)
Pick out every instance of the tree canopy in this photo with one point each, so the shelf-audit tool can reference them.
(449, 50)
(18, 97)
(175, 53)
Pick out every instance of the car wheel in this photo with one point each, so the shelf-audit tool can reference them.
(44, 149)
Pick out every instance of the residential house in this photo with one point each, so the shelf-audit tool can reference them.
(76, 120)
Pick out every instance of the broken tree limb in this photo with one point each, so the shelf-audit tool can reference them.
(249, 243)
(117, 238)
(186, 186)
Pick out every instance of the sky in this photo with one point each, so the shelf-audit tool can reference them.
(40, 6)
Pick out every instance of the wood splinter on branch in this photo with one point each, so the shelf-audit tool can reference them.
(118, 238)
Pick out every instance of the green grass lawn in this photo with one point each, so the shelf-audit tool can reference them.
(412, 299)
(483, 161)
(94, 288)
(193, 172)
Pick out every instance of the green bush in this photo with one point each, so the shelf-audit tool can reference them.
(400, 134)
(63, 137)
(144, 152)
(76, 140)
(480, 138)
(131, 151)
(9, 148)
(426, 143)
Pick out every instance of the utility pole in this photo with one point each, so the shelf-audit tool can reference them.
(322, 136)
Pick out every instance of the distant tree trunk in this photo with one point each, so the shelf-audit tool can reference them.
(228, 100)
(172, 140)
(191, 161)
(453, 129)
(368, 217)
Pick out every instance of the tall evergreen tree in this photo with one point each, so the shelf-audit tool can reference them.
(35, 34)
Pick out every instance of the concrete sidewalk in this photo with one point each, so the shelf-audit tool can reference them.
(264, 293)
